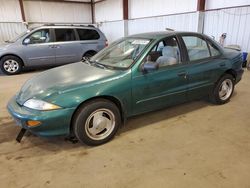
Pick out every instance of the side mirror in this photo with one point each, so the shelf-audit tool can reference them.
(147, 67)
(26, 41)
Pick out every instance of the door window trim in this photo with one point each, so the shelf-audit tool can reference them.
(182, 58)
(33, 31)
(207, 40)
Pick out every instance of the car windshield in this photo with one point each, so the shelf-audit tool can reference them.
(122, 53)
(18, 36)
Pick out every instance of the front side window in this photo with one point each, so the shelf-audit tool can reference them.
(165, 53)
(40, 36)
(121, 54)
(196, 47)
(63, 35)
(88, 34)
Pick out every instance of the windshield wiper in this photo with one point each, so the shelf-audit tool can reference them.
(96, 64)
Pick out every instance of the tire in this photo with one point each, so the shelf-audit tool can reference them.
(88, 55)
(223, 89)
(96, 122)
(11, 65)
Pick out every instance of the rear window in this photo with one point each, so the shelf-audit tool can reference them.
(88, 34)
(65, 35)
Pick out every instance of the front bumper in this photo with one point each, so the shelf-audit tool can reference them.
(54, 122)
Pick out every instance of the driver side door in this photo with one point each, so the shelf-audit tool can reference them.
(38, 48)
(164, 86)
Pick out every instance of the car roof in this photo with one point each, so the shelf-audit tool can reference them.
(67, 26)
(161, 34)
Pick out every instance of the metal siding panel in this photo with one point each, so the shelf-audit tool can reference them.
(10, 11)
(145, 8)
(215, 4)
(57, 12)
(10, 30)
(182, 22)
(112, 30)
(232, 21)
(109, 10)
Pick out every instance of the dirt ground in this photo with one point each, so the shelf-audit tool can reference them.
(196, 144)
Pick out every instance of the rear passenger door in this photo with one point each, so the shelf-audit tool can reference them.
(66, 45)
(203, 65)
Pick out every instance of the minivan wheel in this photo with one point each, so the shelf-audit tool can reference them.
(11, 65)
(89, 54)
(96, 122)
(223, 89)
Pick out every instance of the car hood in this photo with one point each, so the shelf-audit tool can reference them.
(62, 79)
(3, 46)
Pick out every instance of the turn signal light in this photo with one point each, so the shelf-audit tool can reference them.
(33, 123)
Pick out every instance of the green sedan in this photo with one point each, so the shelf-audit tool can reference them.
(90, 100)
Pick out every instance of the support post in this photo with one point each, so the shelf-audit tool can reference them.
(93, 11)
(201, 15)
(22, 10)
(125, 17)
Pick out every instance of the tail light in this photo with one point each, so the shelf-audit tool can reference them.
(106, 43)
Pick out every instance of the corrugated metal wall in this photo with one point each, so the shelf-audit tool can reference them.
(145, 8)
(9, 31)
(161, 23)
(112, 30)
(234, 21)
(10, 20)
(109, 10)
(57, 12)
(109, 15)
(215, 4)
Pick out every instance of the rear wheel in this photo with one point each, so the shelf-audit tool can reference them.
(96, 122)
(88, 55)
(223, 90)
(11, 65)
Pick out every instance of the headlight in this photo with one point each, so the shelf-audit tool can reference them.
(40, 105)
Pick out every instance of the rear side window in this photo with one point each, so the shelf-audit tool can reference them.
(196, 47)
(214, 51)
(88, 34)
(65, 35)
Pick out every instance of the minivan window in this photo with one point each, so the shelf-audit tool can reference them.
(65, 35)
(88, 34)
(40, 36)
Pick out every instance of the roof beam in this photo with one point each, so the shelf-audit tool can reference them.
(64, 1)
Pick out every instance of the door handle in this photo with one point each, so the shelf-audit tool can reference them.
(57, 46)
(52, 46)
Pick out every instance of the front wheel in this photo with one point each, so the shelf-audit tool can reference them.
(11, 65)
(223, 90)
(96, 122)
